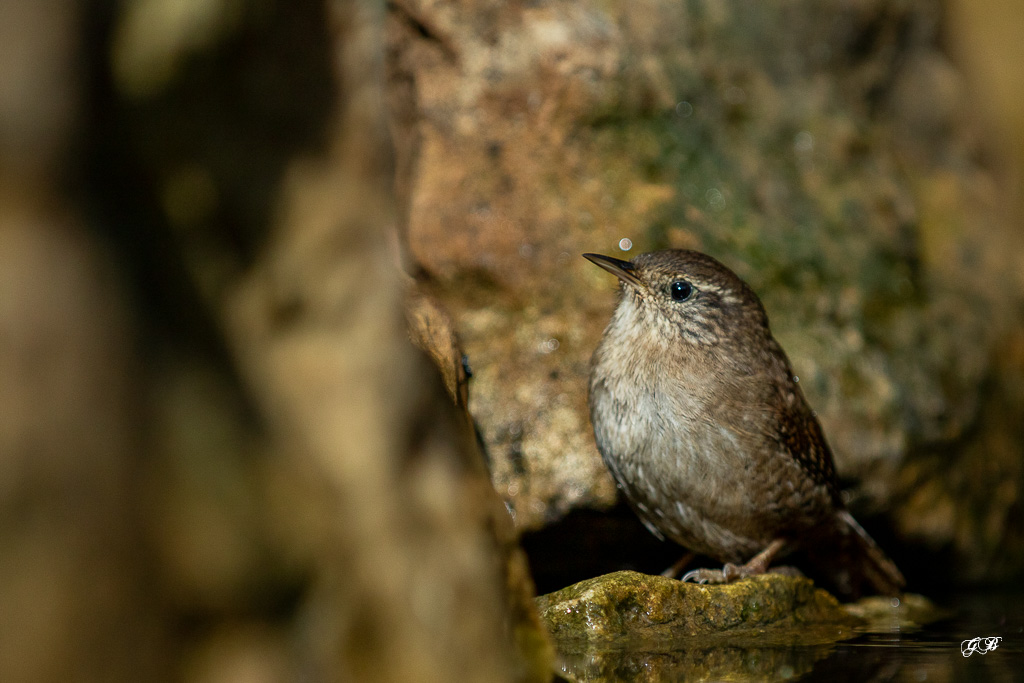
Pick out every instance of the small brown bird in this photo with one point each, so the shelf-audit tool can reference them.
(699, 418)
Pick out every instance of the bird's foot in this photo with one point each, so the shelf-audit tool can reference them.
(727, 574)
(733, 572)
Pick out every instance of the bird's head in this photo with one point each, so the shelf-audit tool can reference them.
(683, 294)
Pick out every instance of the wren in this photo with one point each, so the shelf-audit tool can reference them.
(699, 418)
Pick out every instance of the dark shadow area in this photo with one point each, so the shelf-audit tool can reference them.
(588, 543)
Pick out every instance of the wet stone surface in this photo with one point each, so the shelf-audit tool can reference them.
(628, 609)
(628, 626)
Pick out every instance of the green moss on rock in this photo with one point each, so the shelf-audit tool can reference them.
(628, 610)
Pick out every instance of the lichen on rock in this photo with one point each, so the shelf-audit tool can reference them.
(629, 609)
(631, 626)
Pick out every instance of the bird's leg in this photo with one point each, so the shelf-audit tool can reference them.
(677, 568)
(758, 564)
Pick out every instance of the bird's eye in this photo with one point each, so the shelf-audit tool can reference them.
(681, 290)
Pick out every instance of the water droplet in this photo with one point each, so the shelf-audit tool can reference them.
(548, 345)
(803, 142)
(526, 250)
(895, 602)
(625, 244)
(684, 109)
(795, 378)
(714, 198)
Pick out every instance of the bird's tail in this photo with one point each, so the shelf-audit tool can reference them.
(871, 563)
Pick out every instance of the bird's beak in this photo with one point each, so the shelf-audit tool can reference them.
(620, 269)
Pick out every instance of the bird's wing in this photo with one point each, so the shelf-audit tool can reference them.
(795, 427)
(798, 432)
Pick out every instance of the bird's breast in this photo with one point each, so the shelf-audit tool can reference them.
(661, 435)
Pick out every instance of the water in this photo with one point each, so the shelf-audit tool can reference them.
(929, 653)
(933, 653)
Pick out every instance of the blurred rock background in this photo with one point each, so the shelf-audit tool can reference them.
(834, 154)
(222, 459)
(221, 456)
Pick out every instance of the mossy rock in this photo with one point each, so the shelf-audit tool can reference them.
(628, 609)
(634, 627)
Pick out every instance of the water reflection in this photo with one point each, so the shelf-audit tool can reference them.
(931, 653)
(716, 663)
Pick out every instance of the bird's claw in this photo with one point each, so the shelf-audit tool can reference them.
(704, 576)
(727, 574)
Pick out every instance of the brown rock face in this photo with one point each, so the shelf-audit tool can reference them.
(72, 573)
(821, 150)
(257, 476)
(415, 572)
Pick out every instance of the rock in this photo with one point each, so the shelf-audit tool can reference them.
(413, 567)
(908, 612)
(433, 332)
(252, 474)
(631, 626)
(75, 571)
(628, 626)
(794, 142)
(629, 609)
